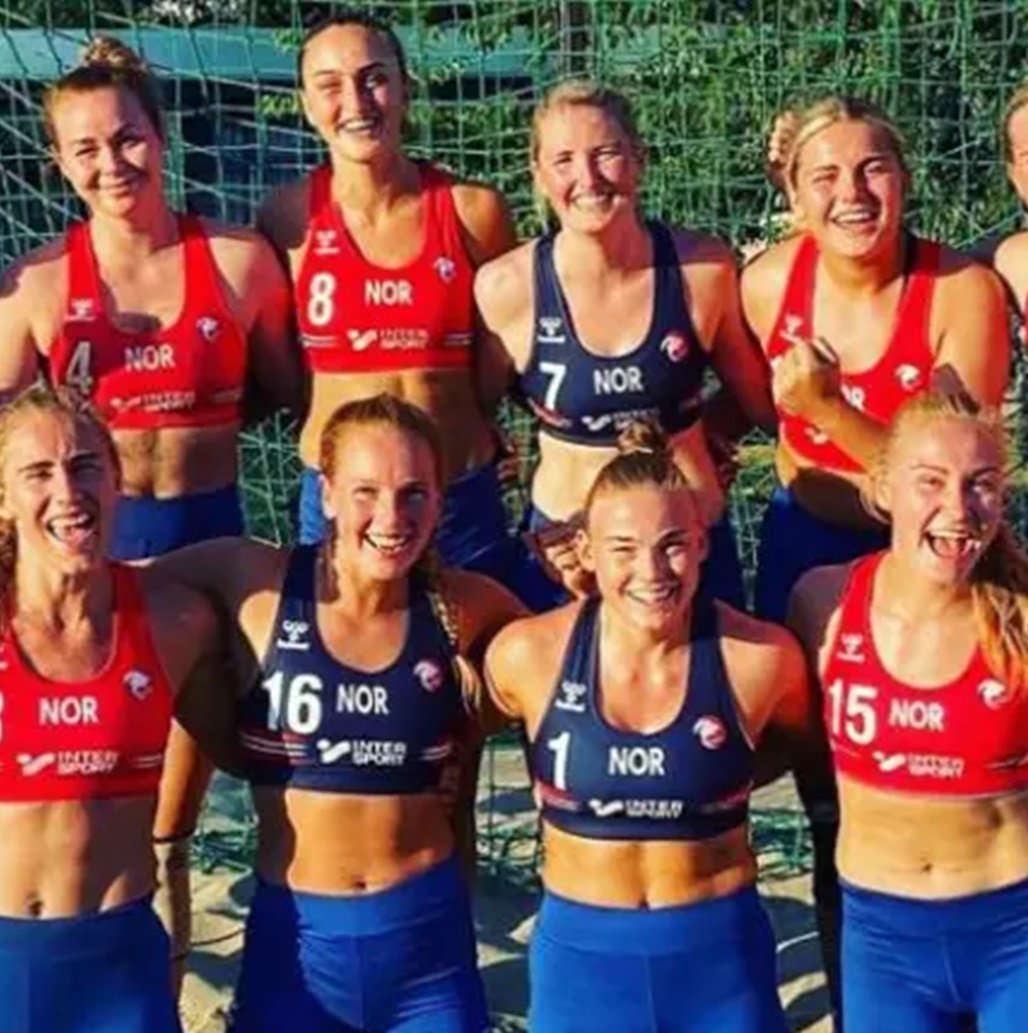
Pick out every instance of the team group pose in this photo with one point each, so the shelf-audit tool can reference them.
(352, 679)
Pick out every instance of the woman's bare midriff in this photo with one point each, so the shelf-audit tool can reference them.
(833, 496)
(339, 844)
(931, 848)
(566, 472)
(70, 857)
(447, 395)
(177, 461)
(622, 873)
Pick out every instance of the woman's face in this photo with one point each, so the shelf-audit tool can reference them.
(354, 93)
(645, 546)
(848, 189)
(108, 150)
(59, 486)
(944, 490)
(384, 499)
(586, 167)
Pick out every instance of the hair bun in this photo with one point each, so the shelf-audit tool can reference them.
(108, 52)
(643, 436)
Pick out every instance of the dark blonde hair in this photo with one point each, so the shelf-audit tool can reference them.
(999, 581)
(584, 93)
(382, 410)
(1018, 99)
(827, 112)
(644, 459)
(106, 63)
(64, 404)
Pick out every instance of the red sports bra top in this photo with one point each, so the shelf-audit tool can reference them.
(100, 737)
(903, 370)
(967, 738)
(190, 374)
(356, 317)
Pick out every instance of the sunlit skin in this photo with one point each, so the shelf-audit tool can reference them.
(384, 499)
(587, 169)
(110, 153)
(59, 488)
(644, 546)
(944, 491)
(1017, 143)
(354, 94)
(848, 191)
(943, 487)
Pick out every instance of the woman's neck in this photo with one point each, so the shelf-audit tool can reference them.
(903, 591)
(375, 186)
(641, 645)
(868, 275)
(622, 247)
(121, 242)
(58, 600)
(360, 597)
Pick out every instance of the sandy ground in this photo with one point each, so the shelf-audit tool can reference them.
(505, 908)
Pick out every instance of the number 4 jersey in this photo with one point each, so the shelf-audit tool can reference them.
(356, 317)
(968, 737)
(313, 723)
(189, 374)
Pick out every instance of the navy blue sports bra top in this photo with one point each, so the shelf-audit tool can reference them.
(588, 399)
(311, 722)
(692, 780)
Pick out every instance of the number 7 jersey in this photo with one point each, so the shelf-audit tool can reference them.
(356, 317)
(966, 738)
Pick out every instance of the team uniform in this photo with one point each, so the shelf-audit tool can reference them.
(588, 399)
(104, 737)
(911, 965)
(356, 317)
(401, 960)
(188, 375)
(792, 540)
(703, 966)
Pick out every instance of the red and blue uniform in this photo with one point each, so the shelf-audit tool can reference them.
(102, 737)
(911, 964)
(622, 968)
(358, 317)
(401, 960)
(588, 399)
(188, 375)
(792, 540)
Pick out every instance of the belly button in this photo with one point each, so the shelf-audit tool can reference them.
(35, 907)
(360, 885)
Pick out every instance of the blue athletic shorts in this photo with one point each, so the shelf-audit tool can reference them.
(915, 966)
(793, 541)
(722, 570)
(399, 961)
(145, 526)
(95, 973)
(472, 532)
(707, 967)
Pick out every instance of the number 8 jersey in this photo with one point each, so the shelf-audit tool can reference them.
(968, 737)
(311, 722)
(356, 317)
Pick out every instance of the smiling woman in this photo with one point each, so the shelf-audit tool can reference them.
(612, 318)
(643, 707)
(164, 321)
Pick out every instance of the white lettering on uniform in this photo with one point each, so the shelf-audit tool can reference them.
(145, 358)
(362, 699)
(69, 710)
(635, 760)
(388, 292)
(617, 381)
(916, 713)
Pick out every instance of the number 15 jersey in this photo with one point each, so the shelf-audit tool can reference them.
(356, 317)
